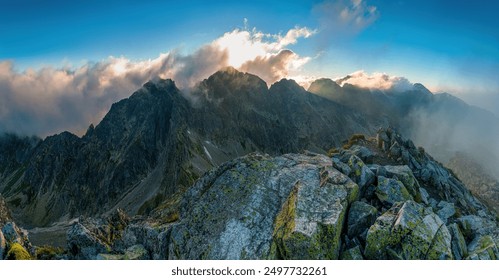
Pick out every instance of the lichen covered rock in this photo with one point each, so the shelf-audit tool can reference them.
(289, 207)
(404, 174)
(483, 248)
(459, 248)
(360, 217)
(390, 191)
(408, 231)
(360, 172)
(83, 244)
(352, 254)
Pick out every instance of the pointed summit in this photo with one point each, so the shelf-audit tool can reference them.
(324, 87)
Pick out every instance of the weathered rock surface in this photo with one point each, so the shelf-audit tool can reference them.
(360, 217)
(289, 207)
(390, 191)
(459, 247)
(408, 231)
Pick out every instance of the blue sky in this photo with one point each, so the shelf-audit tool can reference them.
(408, 38)
(446, 45)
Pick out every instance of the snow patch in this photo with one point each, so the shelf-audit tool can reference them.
(207, 153)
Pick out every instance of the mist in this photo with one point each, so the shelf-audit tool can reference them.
(446, 129)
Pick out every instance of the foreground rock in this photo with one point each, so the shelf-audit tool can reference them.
(14, 242)
(289, 207)
(408, 231)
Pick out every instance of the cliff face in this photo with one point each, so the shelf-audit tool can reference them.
(379, 199)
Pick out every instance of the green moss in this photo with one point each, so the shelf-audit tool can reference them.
(17, 252)
(48, 252)
(284, 226)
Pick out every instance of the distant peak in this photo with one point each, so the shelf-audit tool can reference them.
(323, 85)
(167, 85)
(229, 70)
(421, 88)
(288, 84)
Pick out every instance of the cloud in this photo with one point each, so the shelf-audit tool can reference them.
(273, 67)
(342, 18)
(51, 100)
(379, 81)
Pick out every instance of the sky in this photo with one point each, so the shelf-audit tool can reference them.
(63, 63)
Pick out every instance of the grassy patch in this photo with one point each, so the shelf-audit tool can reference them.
(356, 138)
(17, 252)
(48, 252)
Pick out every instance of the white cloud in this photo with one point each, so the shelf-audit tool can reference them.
(340, 19)
(243, 46)
(51, 100)
(379, 81)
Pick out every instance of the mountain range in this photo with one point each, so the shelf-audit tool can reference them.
(156, 153)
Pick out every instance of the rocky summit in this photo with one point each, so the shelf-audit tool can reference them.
(366, 201)
(234, 169)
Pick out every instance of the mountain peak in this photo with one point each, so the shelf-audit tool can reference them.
(287, 84)
(421, 88)
(229, 70)
(323, 85)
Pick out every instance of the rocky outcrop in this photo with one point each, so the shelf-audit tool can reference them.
(289, 207)
(408, 231)
(14, 242)
(309, 206)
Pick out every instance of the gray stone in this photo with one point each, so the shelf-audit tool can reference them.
(446, 210)
(459, 248)
(365, 154)
(390, 191)
(82, 244)
(11, 233)
(483, 248)
(433, 203)
(404, 174)
(342, 167)
(360, 217)
(408, 231)
(136, 252)
(352, 254)
(289, 207)
(395, 150)
(109, 257)
(470, 225)
(425, 197)
(360, 173)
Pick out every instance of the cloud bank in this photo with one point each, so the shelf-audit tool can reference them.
(380, 81)
(50, 100)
